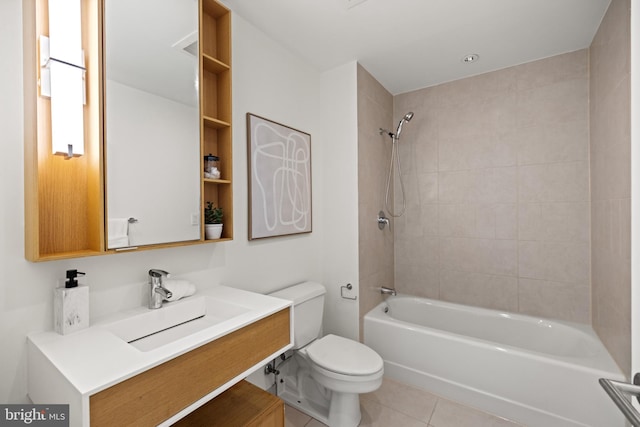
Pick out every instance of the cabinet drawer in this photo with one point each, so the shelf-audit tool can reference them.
(159, 393)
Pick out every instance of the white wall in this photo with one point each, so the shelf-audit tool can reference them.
(268, 81)
(339, 88)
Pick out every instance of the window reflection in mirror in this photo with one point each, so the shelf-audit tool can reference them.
(152, 143)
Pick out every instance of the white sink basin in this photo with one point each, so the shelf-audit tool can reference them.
(151, 329)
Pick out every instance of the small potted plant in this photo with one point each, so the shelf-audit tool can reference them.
(212, 221)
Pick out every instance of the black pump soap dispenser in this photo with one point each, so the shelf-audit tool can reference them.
(72, 278)
(71, 305)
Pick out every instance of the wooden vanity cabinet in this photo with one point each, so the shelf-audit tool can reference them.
(159, 393)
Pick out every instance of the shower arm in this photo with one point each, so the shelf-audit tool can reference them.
(385, 131)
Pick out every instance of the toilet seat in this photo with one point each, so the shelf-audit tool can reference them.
(344, 356)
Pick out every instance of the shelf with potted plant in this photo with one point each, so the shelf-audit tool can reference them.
(213, 221)
(216, 111)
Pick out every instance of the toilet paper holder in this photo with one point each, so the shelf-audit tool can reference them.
(348, 287)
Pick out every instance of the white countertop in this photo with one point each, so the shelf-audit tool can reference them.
(95, 358)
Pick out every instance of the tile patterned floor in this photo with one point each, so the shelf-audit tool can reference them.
(399, 405)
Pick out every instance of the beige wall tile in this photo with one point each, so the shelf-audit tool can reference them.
(369, 87)
(369, 293)
(477, 289)
(478, 116)
(455, 187)
(497, 167)
(489, 221)
(561, 221)
(611, 147)
(476, 151)
(419, 189)
(418, 251)
(376, 252)
(480, 87)
(498, 257)
(426, 154)
(554, 182)
(557, 300)
(457, 219)
(427, 187)
(496, 221)
(417, 279)
(493, 185)
(418, 221)
(552, 143)
(555, 261)
(610, 59)
(611, 181)
(552, 70)
(560, 102)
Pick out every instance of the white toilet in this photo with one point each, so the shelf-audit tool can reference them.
(327, 374)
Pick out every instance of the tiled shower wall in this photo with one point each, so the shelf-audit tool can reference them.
(611, 182)
(496, 172)
(375, 110)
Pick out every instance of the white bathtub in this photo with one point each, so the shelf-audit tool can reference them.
(540, 373)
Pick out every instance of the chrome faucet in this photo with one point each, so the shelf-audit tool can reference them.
(387, 291)
(156, 291)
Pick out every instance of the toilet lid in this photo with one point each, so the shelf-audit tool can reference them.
(344, 356)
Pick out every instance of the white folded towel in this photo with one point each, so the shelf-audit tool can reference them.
(179, 289)
(118, 233)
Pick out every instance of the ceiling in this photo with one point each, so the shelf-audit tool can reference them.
(411, 44)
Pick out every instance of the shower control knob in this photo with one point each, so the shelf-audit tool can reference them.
(382, 220)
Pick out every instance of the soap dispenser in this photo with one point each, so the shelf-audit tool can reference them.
(71, 305)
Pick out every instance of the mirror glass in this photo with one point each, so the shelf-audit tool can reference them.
(152, 139)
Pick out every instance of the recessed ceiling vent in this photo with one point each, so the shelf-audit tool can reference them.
(188, 44)
(471, 58)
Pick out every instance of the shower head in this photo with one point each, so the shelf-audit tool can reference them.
(407, 117)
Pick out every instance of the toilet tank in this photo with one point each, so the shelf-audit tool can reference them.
(308, 305)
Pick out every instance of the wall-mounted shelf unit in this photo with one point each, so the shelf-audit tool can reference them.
(215, 106)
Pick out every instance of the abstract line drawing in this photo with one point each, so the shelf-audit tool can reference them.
(279, 179)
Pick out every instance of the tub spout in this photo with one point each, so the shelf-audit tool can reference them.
(387, 291)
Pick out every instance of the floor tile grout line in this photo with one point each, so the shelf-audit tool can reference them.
(375, 402)
(433, 411)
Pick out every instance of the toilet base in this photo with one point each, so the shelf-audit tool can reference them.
(298, 388)
(344, 410)
(306, 406)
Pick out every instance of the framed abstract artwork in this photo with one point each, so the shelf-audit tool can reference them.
(279, 159)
